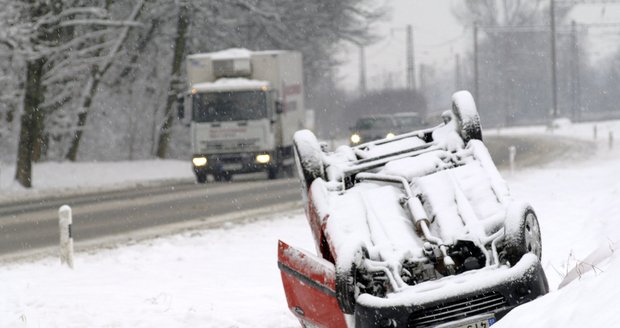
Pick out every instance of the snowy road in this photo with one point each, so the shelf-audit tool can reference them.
(29, 225)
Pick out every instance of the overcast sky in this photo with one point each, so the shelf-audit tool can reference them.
(438, 37)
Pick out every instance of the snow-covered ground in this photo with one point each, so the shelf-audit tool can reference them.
(228, 277)
(67, 177)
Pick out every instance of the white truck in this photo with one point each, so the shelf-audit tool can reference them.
(245, 107)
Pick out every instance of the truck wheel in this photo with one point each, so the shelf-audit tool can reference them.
(466, 114)
(522, 234)
(201, 177)
(308, 157)
(272, 173)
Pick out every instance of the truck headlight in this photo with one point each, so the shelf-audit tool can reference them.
(355, 138)
(390, 135)
(263, 158)
(199, 161)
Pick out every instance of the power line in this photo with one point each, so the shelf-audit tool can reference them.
(544, 28)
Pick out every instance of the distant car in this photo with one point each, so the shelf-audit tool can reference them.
(407, 122)
(418, 230)
(373, 127)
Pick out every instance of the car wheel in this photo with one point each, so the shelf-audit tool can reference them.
(308, 157)
(466, 114)
(346, 282)
(522, 234)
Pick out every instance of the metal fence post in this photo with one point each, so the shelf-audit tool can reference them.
(66, 239)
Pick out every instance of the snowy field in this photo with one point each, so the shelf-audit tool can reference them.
(228, 277)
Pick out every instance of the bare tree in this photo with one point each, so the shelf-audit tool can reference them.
(98, 70)
(60, 40)
(174, 88)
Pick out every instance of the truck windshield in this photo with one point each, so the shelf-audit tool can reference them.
(229, 106)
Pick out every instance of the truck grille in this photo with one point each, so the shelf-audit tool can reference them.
(229, 159)
(455, 310)
(243, 144)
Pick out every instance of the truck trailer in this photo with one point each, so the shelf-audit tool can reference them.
(245, 107)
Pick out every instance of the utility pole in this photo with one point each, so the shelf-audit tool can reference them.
(476, 96)
(554, 81)
(410, 59)
(362, 70)
(457, 72)
(422, 79)
(575, 81)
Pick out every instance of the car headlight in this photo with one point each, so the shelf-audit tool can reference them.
(355, 138)
(199, 161)
(263, 158)
(390, 135)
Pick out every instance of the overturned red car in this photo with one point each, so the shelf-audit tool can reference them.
(418, 230)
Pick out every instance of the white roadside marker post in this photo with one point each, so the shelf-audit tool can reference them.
(594, 132)
(512, 154)
(66, 240)
(611, 140)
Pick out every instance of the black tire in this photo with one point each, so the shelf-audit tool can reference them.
(467, 117)
(308, 158)
(201, 177)
(272, 173)
(346, 283)
(345, 291)
(522, 235)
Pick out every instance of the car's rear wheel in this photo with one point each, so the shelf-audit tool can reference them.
(466, 114)
(522, 235)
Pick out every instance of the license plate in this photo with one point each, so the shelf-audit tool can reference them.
(232, 167)
(480, 323)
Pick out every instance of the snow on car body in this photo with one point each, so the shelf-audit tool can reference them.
(415, 231)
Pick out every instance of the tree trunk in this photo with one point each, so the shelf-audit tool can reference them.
(30, 121)
(174, 87)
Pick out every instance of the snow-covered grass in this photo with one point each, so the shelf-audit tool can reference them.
(52, 177)
(228, 277)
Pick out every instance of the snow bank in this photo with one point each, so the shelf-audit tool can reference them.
(55, 177)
